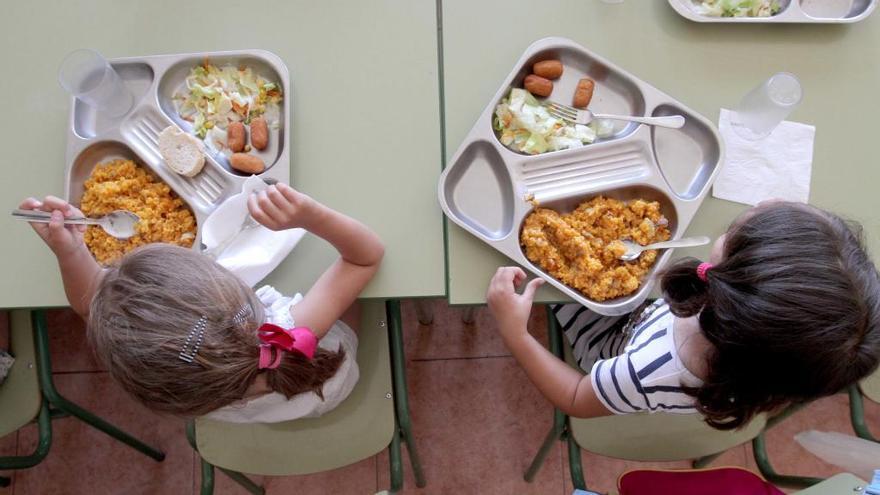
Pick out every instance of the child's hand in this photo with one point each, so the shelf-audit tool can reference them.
(281, 207)
(62, 240)
(510, 309)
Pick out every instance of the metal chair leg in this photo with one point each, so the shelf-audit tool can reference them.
(245, 482)
(705, 461)
(44, 426)
(552, 436)
(57, 401)
(469, 315)
(424, 311)
(394, 461)
(207, 477)
(558, 430)
(770, 474)
(574, 463)
(401, 396)
(857, 414)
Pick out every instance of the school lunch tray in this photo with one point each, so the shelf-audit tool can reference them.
(486, 188)
(94, 138)
(790, 12)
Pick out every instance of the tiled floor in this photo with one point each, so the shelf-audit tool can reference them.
(477, 419)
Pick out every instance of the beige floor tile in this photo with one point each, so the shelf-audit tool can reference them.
(8, 446)
(68, 344)
(84, 460)
(448, 337)
(477, 424)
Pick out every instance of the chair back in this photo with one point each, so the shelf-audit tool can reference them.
(870, 386)
(20, 396)
(360, 427)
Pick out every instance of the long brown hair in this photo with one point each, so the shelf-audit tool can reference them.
(143, 312)
(792, 311)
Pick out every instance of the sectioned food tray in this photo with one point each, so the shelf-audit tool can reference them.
(93, 138)
(486, 187)
(791, 11)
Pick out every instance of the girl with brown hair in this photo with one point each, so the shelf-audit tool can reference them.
(786, 310)
(186, 336)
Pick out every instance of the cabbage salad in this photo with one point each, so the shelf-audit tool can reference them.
(217, 96)
(738, 8)
(524, 125)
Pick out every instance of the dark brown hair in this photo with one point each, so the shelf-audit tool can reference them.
(792, 310)
(143, 311)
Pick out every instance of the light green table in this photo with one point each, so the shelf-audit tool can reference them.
(365, 123)
(705, 66)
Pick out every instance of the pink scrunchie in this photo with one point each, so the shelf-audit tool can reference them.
(282, 340)
(702, 269)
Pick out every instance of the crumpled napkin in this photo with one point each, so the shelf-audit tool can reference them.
(256, 251)
(778, 166)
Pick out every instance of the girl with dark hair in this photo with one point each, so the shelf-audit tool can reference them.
(786, 310)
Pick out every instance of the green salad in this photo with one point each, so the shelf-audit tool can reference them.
(524, 125)
(738, 8)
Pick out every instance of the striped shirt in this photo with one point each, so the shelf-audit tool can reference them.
(638, 370)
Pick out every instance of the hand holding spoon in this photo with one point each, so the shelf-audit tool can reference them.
(120, 224)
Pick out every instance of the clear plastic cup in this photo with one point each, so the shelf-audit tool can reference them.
(766, 106)
(89, 77)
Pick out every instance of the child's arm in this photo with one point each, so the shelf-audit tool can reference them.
(79, 270)
(281, 207)
(569, 390)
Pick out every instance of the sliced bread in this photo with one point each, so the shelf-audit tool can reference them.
(183, 153)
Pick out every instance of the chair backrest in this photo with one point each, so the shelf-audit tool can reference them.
(360, 427)
(657, 436)
(871, 386)
(20, 397)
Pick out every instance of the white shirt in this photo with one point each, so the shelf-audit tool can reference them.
(649, 374)
(274, 407)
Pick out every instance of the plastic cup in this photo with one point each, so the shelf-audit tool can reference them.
(89, 77)
(766, 106)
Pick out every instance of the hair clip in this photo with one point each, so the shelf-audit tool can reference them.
(195, 337)
(243, 314)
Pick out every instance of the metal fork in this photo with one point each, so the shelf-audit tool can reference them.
(584, 117)
(217, 250)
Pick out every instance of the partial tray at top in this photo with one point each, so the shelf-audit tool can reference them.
(790, 11)
(487, 188)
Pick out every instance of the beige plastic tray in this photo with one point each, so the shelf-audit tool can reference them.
(485, 186)
(791, 12)
(93, 138)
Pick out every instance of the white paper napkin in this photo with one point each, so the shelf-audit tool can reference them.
(255, 252)
(777, 166)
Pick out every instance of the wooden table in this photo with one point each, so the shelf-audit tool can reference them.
(704, 66)
(365, 124)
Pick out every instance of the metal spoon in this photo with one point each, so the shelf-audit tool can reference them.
(120, 223)
(634, 250)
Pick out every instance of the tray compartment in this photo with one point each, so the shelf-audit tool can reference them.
(173, 82)
(858, 8)
(104, 151)
(136, 76)
(615, 93)
(479, 191)
(566, 204)
(687, 157)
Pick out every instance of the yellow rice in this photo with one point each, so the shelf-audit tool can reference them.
(122, 185)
